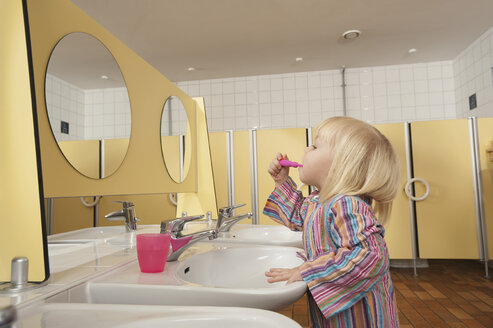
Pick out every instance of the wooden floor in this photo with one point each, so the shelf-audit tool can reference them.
(447, 294)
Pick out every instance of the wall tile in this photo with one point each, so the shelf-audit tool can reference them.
(422, 91)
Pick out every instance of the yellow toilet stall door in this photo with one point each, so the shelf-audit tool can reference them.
(398, 225)
(286, 141)
(242, 176)
(485, 141)
(219, 158)
(446, 221)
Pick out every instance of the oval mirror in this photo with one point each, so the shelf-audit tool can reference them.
(88, 105)
(175, 139)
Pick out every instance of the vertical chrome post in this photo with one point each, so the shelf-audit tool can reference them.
(309, 142)
(49, 214)
(412, 212)
(101, 175)
(478, 193)
(231, 167)
(343, 85)
(101, 159)
(182, 155)
(254, 175)
(96, 214)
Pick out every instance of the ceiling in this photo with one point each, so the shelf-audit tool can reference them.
(232, 38)
(85, 68)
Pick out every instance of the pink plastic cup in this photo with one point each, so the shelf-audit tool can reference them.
(152, 251)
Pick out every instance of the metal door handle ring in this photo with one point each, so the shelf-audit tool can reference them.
(407, 189)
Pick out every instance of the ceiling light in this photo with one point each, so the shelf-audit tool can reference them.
(299, 59)
(190, 69)
(351, 34)
(412, 50)
(104, 77)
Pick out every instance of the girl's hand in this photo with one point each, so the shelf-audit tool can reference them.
(279, 173)
(282, 274)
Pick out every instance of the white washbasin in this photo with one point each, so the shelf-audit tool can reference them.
(264, 235)
(206, 274)
(67, 247)
(276, 235)
(87, 234)
(241, 267)
(143, 316)
(114, 235)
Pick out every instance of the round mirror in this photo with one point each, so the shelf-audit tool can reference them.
(175, 139)
(88, 105)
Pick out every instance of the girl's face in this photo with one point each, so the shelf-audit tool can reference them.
(316, 163)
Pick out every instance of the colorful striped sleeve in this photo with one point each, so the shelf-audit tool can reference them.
(337, 280)
(285, 205)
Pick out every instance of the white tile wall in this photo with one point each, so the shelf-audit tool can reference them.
(473, 73)
(107, 113)
(374, 94)
(383, 94)
(65, 102)
(91, 114)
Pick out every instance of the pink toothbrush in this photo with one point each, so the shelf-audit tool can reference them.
(285, 162)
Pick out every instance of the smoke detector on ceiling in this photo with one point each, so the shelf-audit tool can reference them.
(351, 34)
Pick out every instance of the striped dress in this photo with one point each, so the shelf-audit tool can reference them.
(347, 263)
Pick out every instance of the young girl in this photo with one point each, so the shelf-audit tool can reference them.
(356, 172)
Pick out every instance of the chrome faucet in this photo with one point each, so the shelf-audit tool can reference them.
(127, 214)
(226, 220)
(180, 242)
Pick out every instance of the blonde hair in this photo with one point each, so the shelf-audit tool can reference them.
(364, 163)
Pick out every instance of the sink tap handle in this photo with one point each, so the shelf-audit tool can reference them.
(125, 204)
(228, 210)
(225, 213)
(176, 226)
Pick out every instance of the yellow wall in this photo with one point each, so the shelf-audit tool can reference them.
(114, 153)
(204, 200)
(142, 170)
(83, 154)
(269, 142)
(446, 219)
(398, 226)
(242, 178)
(150, 209)
(70, 214)
(170, 146)
(485, 137)
(20, 203)
(219, 166)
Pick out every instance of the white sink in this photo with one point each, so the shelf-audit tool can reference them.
(264, 235)
(67, 247)
(241, 267)
(86, 245)
(143, 316)
(88, 234)
(206, 274)
(275, 235)
(114, 235)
